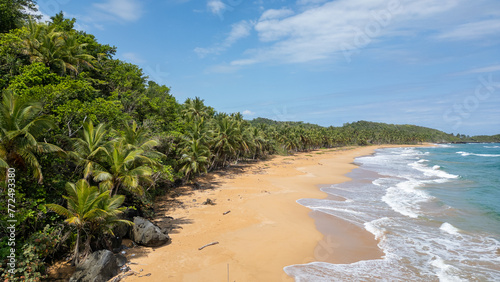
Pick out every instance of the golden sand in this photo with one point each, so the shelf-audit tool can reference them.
(265, 229)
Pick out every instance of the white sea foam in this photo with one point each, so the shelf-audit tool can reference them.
(446, 146)
(491, 147)
(376, 228)
(434, 172)
(416, 247)
(450, 229)
(445, 272)
(465, 154)
(404, 197)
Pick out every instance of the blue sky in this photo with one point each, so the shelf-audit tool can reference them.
(433, 63)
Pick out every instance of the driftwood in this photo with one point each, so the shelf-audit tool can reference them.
(210, 244)
(226, 212)
(121, 276)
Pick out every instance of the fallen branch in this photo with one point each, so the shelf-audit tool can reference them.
(210, 244)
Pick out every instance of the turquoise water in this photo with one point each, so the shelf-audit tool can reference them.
(476, 194)
(434, 210)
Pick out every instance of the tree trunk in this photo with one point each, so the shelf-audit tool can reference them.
(77, 246)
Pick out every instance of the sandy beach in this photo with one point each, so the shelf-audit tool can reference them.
(256, 221)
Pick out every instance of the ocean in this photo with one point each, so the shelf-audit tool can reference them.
(434, 210)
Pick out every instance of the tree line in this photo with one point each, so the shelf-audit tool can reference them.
(90, 135)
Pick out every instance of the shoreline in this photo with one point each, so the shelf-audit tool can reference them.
(265, 229)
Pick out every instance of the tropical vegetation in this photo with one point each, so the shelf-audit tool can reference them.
(90, 136)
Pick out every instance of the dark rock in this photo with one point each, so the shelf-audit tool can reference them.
(116, 243)
(122, 230)
(100, 266)
(129, 214)
(144, 232)
(121, 260)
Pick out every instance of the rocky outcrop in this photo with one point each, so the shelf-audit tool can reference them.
(145, 233)
(100, 266)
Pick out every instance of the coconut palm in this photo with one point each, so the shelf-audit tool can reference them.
(20, 126)
(258, 142)
(226, 141)
(89, 148)
(136, 136)
(89, 209)
(195, 158)
(58, 50)
(195, 109)
(124, 167)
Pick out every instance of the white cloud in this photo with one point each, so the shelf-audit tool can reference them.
(474, 30)
(40, 12)
(248, 113)
(308, 2)
(243, 62)
(492, 68)
(238, 31)
(126, 10)
(274, 14)
(335, 28)
(216, 7)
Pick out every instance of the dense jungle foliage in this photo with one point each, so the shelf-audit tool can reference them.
(85, 135)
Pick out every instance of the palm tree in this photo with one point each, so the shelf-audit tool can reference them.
(58, 50)
(194, 158)
(74, 55)
(89, 148)
(136, 136)
(226, 141)
(258, 142)
(195, 109)
(124, 167)
(20, 126)
(90, 210)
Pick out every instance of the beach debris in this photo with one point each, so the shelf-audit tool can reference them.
(209, 201)
(122, 276)
(146, 233)
(149, 274)
(226, 212)
(209, 244)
